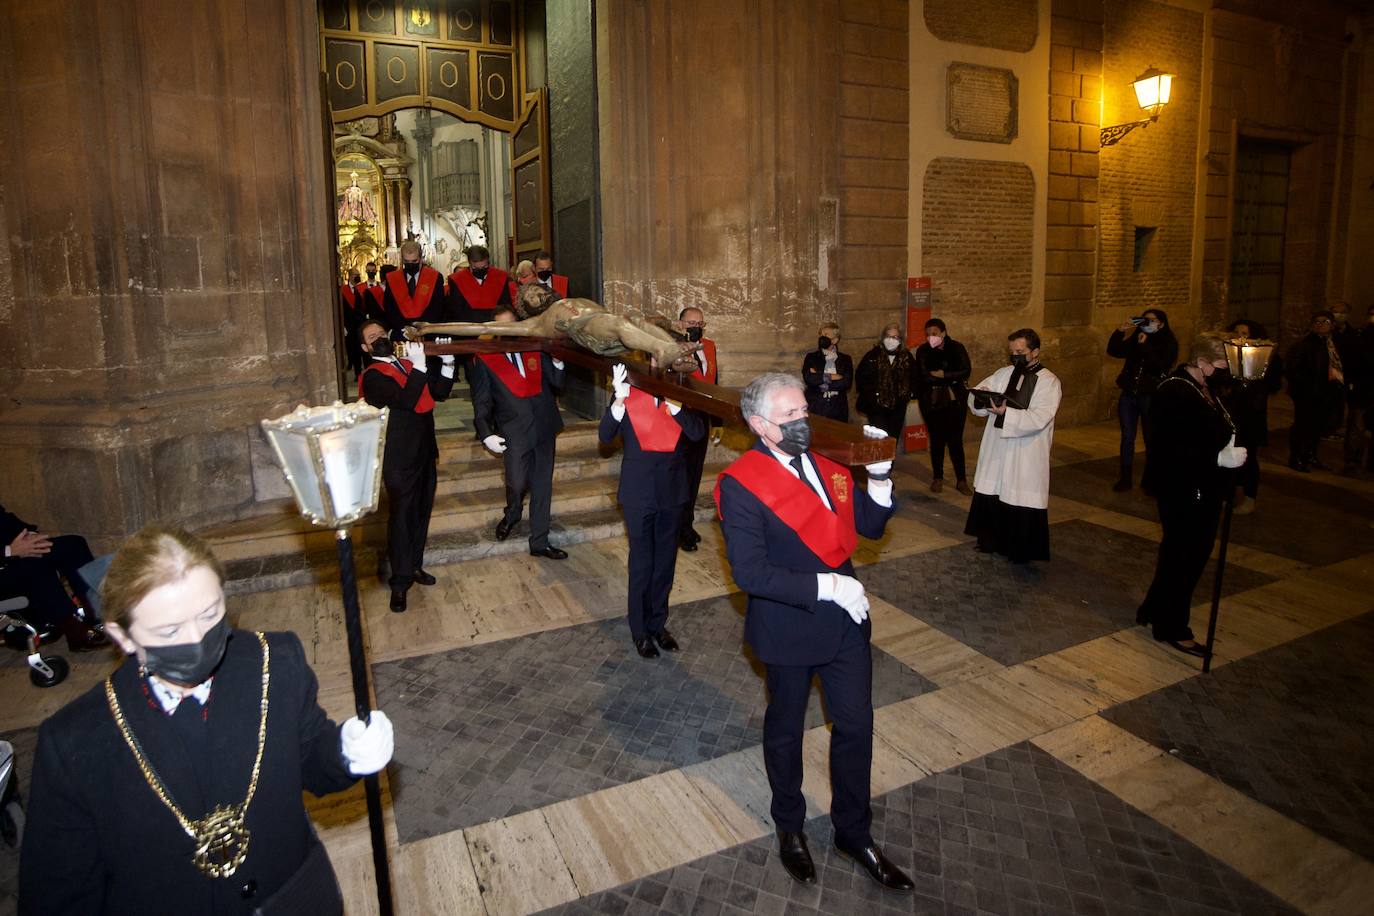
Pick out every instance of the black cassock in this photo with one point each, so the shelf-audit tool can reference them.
(99, 841)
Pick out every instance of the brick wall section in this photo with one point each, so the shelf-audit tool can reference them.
(1071, 220)
(871, 251)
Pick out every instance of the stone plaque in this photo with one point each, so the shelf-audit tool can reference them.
(980, 103)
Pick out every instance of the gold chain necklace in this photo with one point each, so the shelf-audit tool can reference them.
(221, 837)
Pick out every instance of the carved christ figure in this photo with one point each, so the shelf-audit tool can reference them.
(542, 314)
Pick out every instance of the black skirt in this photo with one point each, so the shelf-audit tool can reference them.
(1018, 533)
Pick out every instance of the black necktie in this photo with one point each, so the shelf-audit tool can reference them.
(801, 473)
(410, 282)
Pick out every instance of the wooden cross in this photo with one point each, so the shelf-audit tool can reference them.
(835, 440)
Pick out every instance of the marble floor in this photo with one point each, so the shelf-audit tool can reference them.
(1034, 751)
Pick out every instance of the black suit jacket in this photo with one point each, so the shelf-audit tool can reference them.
(784, 623)
(524, 422)
(409, 435)
(653, 480)
(836, 407)
(99, 840)
(436, 309)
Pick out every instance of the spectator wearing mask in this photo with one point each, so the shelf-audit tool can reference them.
(828, 373)
(885, 379)
(1150, 350)
(942, 371)
(1346, 340)
(1192, 456)
(1248, 404)
(1316, 383)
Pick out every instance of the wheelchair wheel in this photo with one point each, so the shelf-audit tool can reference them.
(59, 668)
(12, 824)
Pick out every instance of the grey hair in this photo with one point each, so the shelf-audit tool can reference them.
(1210, 347)
(757, 396)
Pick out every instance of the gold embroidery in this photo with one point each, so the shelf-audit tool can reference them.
(840, 484)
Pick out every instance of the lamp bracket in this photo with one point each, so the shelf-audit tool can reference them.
(1112, 135)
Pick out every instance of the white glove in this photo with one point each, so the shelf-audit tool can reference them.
(447, 359)
(620, 381)
(849, 594)
(495, 443)
(1232, 455)
(367, 748)
(557, 363)
(673, 407)
(415, 352)
(880, 468)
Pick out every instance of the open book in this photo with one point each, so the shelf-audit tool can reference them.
(998, 397)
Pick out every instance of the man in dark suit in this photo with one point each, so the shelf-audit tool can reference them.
(416, 292)
(516, 415)
(30, 568)
(694, 326)
(544, 275)
(476, 290)
(409, 386)
(353, 302)
(791, 520)
(653, 489)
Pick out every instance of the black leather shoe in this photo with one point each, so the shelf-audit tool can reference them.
(878, 867)
(796, 858)
(695, 537)
(1123, 485)
(645, 647)
(398, 602)
(665, 641)
(551, 553)
(1197, 650)
(503, 528)
(423, 577)
(687, 544)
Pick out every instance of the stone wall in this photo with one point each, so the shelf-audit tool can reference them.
(167, 278)
(753, 165)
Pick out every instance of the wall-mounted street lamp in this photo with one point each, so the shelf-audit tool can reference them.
(1152, 90)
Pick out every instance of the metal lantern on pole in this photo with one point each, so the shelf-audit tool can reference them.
(332, 459)
(1248, 359)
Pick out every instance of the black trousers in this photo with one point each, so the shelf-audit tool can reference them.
(848, 684)
(36, 578)
(694, 454)
(1310, 415)
(889, 421)
(531, 472)
(410, 495)
(653, 560)
(1190, 530)
(945, 425)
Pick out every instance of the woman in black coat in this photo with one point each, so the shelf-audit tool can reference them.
(942, 371)
(828, 374)
(1150, 349)
(127, 775)
(1192, 457)
(885, 379)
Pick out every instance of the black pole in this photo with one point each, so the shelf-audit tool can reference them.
(1216, 582)
(362, 699)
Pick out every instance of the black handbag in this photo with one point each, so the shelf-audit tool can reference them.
(312, 889)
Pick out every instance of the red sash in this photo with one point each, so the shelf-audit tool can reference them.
(829, 535)
(708, 349)
(560, 285)
(413, 307)
(426, 402)
(484, 295)
(378, 295)
(522, 386)
(654, 426)
(350, 297)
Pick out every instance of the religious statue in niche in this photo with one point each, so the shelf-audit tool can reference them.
(356, 204)
(586, 323)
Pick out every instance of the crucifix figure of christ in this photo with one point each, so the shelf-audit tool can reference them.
(553, 325)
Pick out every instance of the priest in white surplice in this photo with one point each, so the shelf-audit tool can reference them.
(1011, 486)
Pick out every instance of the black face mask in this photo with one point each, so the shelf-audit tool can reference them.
(1018, 359)
(796, 436)
(411, 269)
(480, 272)
(545, 274)
(1219, 378)
(372, 274)
(823, 343)
(384, 347)
(694, 334)
(190, 663)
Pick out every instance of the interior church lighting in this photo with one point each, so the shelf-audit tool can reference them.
(1152, 90)
(332, 459)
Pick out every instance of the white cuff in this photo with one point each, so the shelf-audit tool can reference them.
(447, 370)
(618, 410)
(825, 586)
(880, 491)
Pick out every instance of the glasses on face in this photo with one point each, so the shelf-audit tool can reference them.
(1322, 321)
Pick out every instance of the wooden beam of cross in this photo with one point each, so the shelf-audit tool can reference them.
(835, 440)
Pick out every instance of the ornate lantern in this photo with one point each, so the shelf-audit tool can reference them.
(332, 458)
(1248, 358)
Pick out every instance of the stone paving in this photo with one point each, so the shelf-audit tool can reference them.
(1289, 727)
(1090, 588)
(1015, 831)
(525, 722)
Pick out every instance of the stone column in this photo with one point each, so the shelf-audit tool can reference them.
(167, 280)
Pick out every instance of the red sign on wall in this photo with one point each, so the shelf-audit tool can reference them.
(917, 309)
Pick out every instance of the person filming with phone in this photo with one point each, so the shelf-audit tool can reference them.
(1149, 349)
